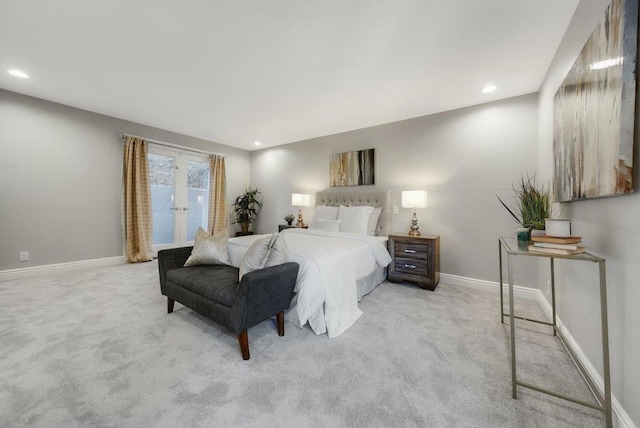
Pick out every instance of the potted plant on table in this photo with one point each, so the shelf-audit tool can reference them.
(533, 207)
(289, 219)
(246, 208)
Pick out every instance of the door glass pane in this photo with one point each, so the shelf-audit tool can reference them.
(162, 178)
(197, 197)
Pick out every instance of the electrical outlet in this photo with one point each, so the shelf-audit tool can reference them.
(24, 256)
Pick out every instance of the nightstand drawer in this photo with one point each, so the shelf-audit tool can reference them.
(282, 227)
(413, 266)
(416, 251)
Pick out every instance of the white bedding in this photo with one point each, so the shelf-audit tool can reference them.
(330, 264)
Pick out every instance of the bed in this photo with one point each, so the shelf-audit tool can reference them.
(336, 268)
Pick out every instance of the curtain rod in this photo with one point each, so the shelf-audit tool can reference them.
(175, 146)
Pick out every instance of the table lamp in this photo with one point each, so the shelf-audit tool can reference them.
(300, 200)
(414, 199)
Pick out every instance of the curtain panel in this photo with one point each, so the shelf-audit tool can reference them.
(218, 195)
(137, 201)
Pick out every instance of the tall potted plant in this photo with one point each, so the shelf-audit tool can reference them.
(246, 208)
(534, 204)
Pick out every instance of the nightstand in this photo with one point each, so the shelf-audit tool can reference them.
(282, 227)
(415, 259)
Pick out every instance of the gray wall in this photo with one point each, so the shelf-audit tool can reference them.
(462, 158)
(61, 180)
(610, 228)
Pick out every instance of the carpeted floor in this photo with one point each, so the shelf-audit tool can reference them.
(97, 348)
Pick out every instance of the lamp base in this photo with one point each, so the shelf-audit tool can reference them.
(414, 229)
(300, 222)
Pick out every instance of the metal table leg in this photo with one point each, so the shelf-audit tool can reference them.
(501, 295)
(513, 328)
(605, 345)
(553, 296)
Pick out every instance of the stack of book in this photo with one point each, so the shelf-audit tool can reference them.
(555, 245)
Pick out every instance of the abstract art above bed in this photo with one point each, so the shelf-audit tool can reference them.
(594, 111)
(352, 168)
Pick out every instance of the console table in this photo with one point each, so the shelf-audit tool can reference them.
(513, 249)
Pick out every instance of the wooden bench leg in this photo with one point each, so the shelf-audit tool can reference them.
(243, 340)
(280, 320)
(170, 303)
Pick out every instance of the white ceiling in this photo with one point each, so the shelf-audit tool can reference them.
(276, 71)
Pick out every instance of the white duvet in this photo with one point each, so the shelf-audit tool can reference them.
(330, 264)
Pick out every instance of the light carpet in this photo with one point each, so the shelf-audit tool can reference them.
(97, 348)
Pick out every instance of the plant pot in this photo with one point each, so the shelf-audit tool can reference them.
(524, 234)
(537, 232)
(245, 227)
(289, 222)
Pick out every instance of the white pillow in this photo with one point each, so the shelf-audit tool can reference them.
(373, 221)
(209, 250)
(354, 219)
(265, 252)
(324, 212)
(328, 225)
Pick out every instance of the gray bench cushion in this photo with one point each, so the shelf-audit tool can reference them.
(219, 284)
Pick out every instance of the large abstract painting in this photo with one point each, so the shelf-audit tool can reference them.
(594, 111)
(352, 168)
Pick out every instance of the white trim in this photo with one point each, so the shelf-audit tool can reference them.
(479, 284)
(6, 275)
(620, 417)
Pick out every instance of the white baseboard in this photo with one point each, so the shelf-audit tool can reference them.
(9, 274)
(479, 284)
(620, 418)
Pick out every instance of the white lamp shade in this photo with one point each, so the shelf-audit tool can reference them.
(300, 199)
(414, 199)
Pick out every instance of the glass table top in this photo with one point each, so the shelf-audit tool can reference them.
(521, 248)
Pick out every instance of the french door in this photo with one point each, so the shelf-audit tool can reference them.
(179, 196)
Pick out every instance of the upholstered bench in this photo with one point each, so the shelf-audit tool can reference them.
(215, 292)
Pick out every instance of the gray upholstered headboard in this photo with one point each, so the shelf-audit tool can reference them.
(372, 198)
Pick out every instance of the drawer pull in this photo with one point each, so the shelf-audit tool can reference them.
(410, 266)
(410, 251)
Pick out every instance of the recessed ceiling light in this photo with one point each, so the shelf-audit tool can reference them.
(489, 88)
(257, 143)
(18, 73)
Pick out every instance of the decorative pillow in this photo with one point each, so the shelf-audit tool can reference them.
(209, 250)
(373, 221)
(256, 256)
(328, 225)
(324, 212)
(279, 253)
(265, 252)
(354, 219)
